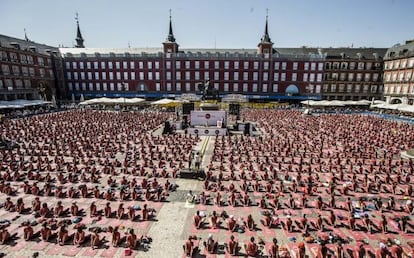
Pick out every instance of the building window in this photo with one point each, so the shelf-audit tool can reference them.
(245, 87)
(206, 64)
(88, 65)
(178, 86)
(357, 88)
(118, 75)
(313, 66)
(368, 77)
(75, 65)
(83, 86)
(95, 65)
(158, 86)
(318, 89)
(141, 65)
(187, 87)
(306, 66)
(275, 87)
(236, 64)
(77, 86)
(42, 72)
(320, 68)
(125, 65)
(226, 87)
(125, 75)
(255, 76)
(90, 86)
(187, 65)
(117, 65)
(246, 65)
(157, 76)
(319, 77)
(187, 75)
(277, 64)
(103, 75)
(132, 64)
(264, 89)
(168, 65)
(197, 64)
(168, 75)
(283, 77)
(245, 76)
(206, 76)
(169, 88)
(236, 76)
(70, 86)
(178, 75)
(235, 87)
(276, 76)
(67, 65)
(110, 65)
(283, 65)
(256, 65)
(312, 77)
(226, 64)
(360, 66)
(98, 86)
(105, 86)
(89, 75)
(295, 65)
(103, 65)
(216, 65)
(132, 75)
(359, 77)
(31, 71)
(216, 75)
(294, 77)
(226, 75)
(157, 65)
(254, 89)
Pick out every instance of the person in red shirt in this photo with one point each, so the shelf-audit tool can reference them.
(251, 248)
(189, 247)
(232, 246)
(274, 249)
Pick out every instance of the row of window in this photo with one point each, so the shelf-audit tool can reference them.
(351, 76)
(399, 64)
(399, 89)
(351, 88)
(401, 76)
(192, 76)
(25, 71)
(24, 59)
(313, 66)
(187, 87)
(352, 65)
(11, 84)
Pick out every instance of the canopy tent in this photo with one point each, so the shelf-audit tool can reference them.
(400, 107)
(21, 103)
(112, 101)
(336, 103)
(165, 101)
(234, 98)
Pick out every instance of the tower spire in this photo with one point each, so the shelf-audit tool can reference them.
(79, 38)
(266, 37)
(170, 37)
(25, 35)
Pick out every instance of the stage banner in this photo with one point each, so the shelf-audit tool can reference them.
(207, 118)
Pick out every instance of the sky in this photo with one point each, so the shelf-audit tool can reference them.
(210, 23)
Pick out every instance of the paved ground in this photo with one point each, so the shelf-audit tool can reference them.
(173, 224)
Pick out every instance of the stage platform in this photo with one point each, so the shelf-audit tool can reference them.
(192, 173)
(206, 131)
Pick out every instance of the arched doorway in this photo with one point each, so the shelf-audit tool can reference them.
(292, 90)
(396, 101)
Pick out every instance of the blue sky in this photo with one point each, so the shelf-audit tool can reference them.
(211, 23)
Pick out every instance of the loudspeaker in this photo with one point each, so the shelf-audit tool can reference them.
(234, 109)
(187, 108)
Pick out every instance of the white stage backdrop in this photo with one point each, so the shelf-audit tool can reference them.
(208, 118)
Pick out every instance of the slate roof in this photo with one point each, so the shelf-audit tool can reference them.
(8, 42)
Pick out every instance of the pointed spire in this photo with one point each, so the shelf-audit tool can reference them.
(25, 35)
(266, 37)
(79, 38)
(170, 37)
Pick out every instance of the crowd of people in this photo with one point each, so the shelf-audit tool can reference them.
(78, 169)
(324, 178)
